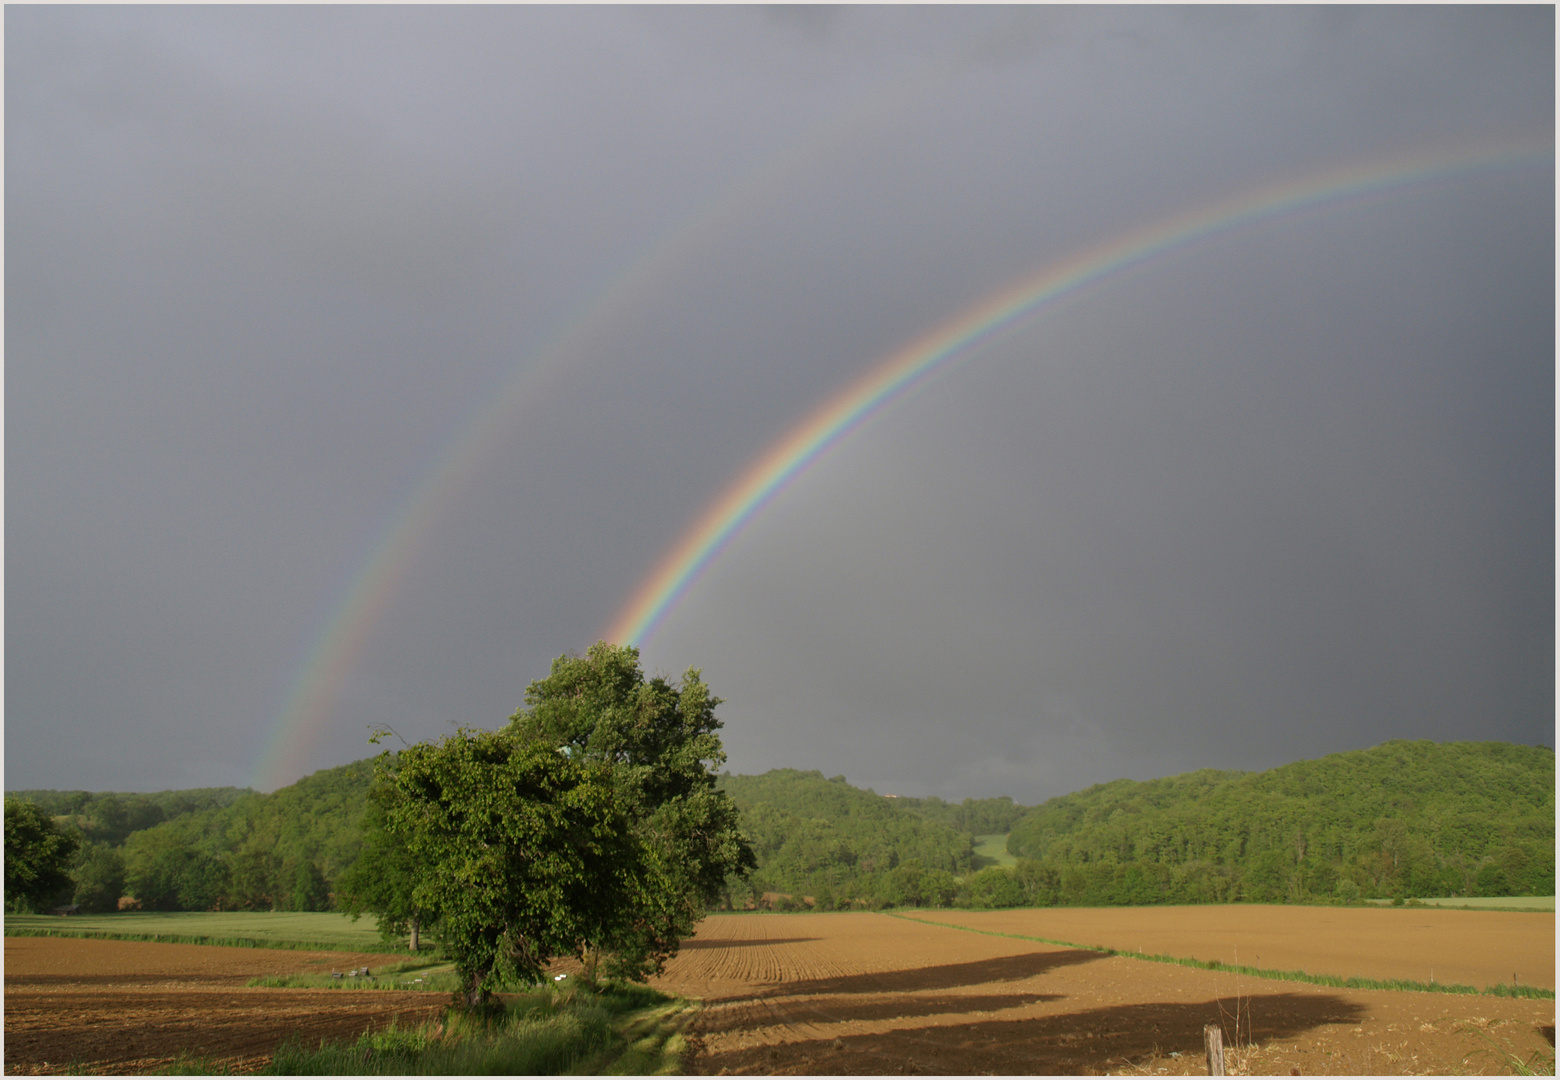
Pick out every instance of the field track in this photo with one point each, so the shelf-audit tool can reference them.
(860, 993)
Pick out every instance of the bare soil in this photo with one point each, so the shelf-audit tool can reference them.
(860, 993)
(1471, 948)
(75, 1005)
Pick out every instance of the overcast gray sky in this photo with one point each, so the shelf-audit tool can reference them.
(1284, 493)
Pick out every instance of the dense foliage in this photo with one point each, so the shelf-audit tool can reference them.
(978, 817)
(1405, 818)
(659, 741)
(108, 817)
(221, 848)
(519, 850)
(1402, 819)
(37, 857)
(843, 846)
(590, 825)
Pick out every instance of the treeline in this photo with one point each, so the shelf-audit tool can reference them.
(842, 846)
(215, 849)
(1404, 819)
(109, 817)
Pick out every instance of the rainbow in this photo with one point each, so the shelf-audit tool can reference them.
(976, 326)
(358, 604)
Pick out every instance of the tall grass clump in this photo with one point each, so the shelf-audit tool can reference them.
(540, 1032)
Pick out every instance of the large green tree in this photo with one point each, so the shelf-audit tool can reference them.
(38, 857)
(590, 825)
(659, 741)
(519, 850)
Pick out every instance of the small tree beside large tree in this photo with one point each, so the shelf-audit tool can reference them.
(590, 825)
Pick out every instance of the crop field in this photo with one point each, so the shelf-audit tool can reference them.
(275, 929)
(1472, 948)
(76, 1005)
(860, 993)
(865, 993)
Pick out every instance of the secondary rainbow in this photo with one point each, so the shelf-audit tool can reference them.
(359, 602)
(1012, 307)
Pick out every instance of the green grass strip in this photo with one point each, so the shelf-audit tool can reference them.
(625, 1029)
(198, 939)
(1353, 982)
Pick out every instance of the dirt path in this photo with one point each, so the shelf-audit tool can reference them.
(75, 1005)
(871, 994)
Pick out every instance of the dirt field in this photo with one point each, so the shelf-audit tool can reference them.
(75, 1005)
(1473, 948)
(871, 994)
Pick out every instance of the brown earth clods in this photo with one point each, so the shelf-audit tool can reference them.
(74, 1005)
(862, 993)
(858, 993)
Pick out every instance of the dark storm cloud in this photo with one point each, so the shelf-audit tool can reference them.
(1286, 494)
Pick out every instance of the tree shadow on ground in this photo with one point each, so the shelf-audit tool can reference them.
(1085, 1041)
(937, 977)
(741, 943)
(846, 1008)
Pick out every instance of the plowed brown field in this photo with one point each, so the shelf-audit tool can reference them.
(1472, 948)
(858, 993)
(75, 1005)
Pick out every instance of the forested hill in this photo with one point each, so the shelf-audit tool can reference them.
(1404, 818)
(216, 848)
(838, 844)
(108, 817)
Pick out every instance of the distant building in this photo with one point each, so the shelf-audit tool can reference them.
(68, 909)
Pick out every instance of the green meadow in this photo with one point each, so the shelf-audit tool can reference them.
(991, 850)
(1486, 903)
(253, 929)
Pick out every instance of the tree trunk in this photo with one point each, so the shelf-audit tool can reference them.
(412, 945)
(473, 996)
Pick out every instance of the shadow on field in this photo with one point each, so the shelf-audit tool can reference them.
(938, 977)
(741, 943)
(874, 1007)
(1088, 1040)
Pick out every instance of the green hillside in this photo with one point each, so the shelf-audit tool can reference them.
(108, 817)
(1401, 819)
(842, 845)
(217, 848)
(1409, 819)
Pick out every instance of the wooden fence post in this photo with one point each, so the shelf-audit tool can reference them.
(1213, 1043)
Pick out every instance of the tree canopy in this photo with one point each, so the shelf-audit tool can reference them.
(590, 825)
(1407, 818)
(37, 857)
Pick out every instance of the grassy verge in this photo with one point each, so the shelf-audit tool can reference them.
(248, 929)
(1479, 903)
(1513, 990)
(418, 975)
(621, 1030)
